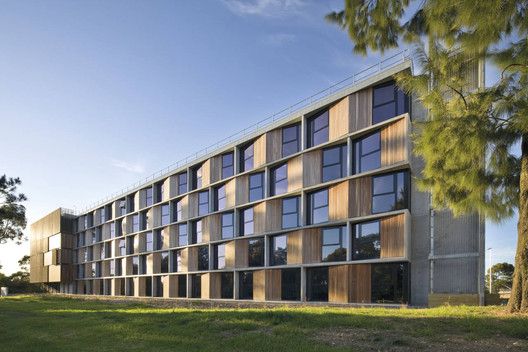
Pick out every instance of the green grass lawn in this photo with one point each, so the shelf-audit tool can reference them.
(54, 323)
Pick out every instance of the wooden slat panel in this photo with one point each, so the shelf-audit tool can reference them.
(311, 245)
(360, 196)
(338, 201)
(206, 286)
(241, 254)
(361, 110)
(186, 207)
(211, 228)
(242, 189)
(192, 207)
(259, 151)
(230, 254)
(215, 285)
(294, 244)
(206, 173)
(231, 193)
(274, 145)
(338, 284)
(295, 173)
(360, 286)
(192, 259)
(259, 217)
(392, 236)
(273, 215)
(312, 167)
(273, 285)
(394, 143)
(216, 168)
(338, 119)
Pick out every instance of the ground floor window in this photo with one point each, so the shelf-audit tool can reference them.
(291, 284)
(196, 286)
(390, 283)
(182, 286)
(245, 285)
(317, 284)
(130, 287)
(158, 283)
(148, 286)
(226, 283)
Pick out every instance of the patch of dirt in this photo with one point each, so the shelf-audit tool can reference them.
(380, 340)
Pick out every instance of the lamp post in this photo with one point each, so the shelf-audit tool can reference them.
(490, 274)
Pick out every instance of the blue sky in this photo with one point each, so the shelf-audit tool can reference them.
(96, 95)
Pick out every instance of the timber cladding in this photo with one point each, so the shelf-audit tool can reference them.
(267, 285)
(394, 142)
(349, 283)
(392, 235)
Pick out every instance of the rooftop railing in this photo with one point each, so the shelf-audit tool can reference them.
(261, 125)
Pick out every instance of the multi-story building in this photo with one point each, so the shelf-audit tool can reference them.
(318, 206)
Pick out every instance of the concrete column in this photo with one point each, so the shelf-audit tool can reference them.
(303, 284)
(236, 285)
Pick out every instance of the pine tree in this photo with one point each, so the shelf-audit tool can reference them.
(466, 141)
(12, 212)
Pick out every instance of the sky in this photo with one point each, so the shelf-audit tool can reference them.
(97, 95)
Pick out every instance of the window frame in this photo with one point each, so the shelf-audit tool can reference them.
(244, 222)
(244, 159)
(229, 167)
(297, 211)
(297, 139)
(358, 152)
(223, 226)
(203, 204)
(273, 256)
(312, 131)
(342, 243)
(342, 149)
(274, 181)
(406, 187)
(312, 208)
(262, 184)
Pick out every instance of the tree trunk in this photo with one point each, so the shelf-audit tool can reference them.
(519, 294)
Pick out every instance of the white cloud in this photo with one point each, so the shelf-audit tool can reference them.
(264, 8)
(135, 167)
(279, 39)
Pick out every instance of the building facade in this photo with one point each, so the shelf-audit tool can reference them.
(319, 206)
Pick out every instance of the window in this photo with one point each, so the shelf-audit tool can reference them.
(118, 267)
(122, 207)
(279, 250)
(390, 283)
(144, 220)
(220, 198)
(135, 265)
(142, 264)
(318, 207)
(256, 252)
(318, 129)
(197, 177)
(290, 212)
(178, 210)
(112, 230)
(291, 284)
(279, 180)
(130, 203)
(219, 256)
(159, 191)
(245, 285)
(197, 234)
(135, 223)
(389, 192)
(130, 287)
(122, 247)
(227, 165)
(228, 228)
(80, 271)
(246, 222)
(164, 262)
(158, 240)
(256, 186)
(119, 227)
(334, 163)
(182, 286)
(130, 244)
(113, 267)
(182, 183)
(148, 197)
(291, 140)
(165, 215)
(226, 285)
(196, 286)
(317, 284)
(367, 153)
(182, 235)
(149, 242)
(246, 160)
(178, 263)
(80, 239)
(334, 246)
(102, 215)
(203, 258)
(158, 282)
(388, 101)
(203, 203)
(366, 240)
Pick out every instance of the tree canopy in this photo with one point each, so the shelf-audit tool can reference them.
(12, 212)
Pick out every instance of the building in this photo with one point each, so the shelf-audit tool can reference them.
(317, 206)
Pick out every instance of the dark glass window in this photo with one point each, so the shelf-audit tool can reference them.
(279, 180)
(130, 287)
(135, 265)
(130, 244)
(291, 139)
(226, 283)
(119, 227)
(334, 163)
(290, 212)
(118, 267)
(318, 207)
(228, 228)
(256, 252)
(227, 165)
(318, 129)
(121, 204)
(388, 101)
(246, 161)
(149, 197)
(143, 221)
(367, 153)
(102, 217)
(158, 240)
(203, 258)
(182, 183)
(135, 223)
(164, 262)
(245, 285)
(112, 229)
(196, 286)
(279, 250)
(122, 247)
(149, 242)
(197, 177)
(142, 264)
(182, 235)
(165, 215)
(246, 222)
(291, 284)
(317, 284)
(219, 256)
(389, 192)
(158, 187)
(80, 239)
(256, 186)
(182, 286)
(220, 198)
(203, 203)
(366, 243)
(158, 283)
(390, 283)
(197, 234)
(148, 286)
(334, 246)
(178, 210)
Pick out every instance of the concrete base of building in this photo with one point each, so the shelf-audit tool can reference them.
(453, 299)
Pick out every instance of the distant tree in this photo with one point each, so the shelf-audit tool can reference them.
(24, 263)
(12, 213)
(463, 124)
(501, 277)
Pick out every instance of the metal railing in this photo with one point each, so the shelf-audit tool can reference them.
(261, 125)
